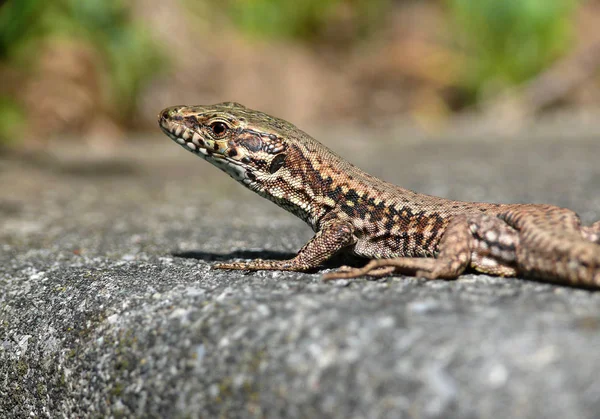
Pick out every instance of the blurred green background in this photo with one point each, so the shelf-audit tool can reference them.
(99, 69)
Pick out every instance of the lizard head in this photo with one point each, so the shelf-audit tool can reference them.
(245, 144)
(268, 155)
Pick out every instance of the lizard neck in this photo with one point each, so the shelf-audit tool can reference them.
(314, 182)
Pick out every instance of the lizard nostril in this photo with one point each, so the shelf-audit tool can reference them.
(170, 113)
(163, 115)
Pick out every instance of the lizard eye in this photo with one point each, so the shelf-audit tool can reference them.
(277, 163)
(219, 128)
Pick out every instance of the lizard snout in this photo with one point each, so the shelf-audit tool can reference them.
(171, 113)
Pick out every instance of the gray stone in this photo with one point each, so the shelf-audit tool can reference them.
(108, 305)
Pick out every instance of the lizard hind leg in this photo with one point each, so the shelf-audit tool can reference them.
(482, 242)
(553, 245)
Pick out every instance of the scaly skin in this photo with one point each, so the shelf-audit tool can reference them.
(352, 211)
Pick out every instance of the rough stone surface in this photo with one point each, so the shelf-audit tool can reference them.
(108, 305)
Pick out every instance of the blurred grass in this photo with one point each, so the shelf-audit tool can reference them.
(307, 20)
(510, 41)
(12, 117)
(130, 58)
(499, 43)
(502, 43)
(133, 58)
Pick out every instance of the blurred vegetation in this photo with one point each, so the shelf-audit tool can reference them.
(306, 20)
(501, 43)
(496, 44)
(508, 42)
(12, 117)
(130, 57)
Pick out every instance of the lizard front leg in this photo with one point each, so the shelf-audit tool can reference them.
(333, 237)
(482, 242)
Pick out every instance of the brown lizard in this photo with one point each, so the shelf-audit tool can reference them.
(352, 211)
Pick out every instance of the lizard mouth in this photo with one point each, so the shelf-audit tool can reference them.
(186, 138)
(192, 141)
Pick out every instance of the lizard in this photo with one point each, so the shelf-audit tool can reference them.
(399, 230)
